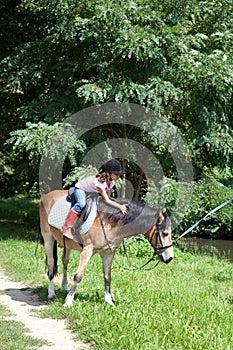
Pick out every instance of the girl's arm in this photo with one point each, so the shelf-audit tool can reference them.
(109, 193)
(104, 195)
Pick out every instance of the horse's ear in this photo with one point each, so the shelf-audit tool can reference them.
(164, 212)
(162, 216)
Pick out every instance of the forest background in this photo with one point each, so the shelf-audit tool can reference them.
(59, 57)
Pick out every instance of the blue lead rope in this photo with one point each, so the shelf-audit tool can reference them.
(210, 213)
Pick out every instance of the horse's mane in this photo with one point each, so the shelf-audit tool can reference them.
(139, 215)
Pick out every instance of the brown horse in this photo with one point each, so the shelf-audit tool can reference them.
(107, 232)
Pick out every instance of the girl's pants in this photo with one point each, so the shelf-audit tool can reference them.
(80, 197)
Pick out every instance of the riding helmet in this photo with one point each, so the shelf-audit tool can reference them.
(112, 166)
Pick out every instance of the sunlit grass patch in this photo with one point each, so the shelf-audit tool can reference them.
(13, 337)
(4, 312)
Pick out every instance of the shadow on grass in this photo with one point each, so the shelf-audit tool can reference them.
(92, 297)
(230, 299)
(19, 218)
(9, 230)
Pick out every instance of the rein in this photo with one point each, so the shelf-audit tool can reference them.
(157, 249)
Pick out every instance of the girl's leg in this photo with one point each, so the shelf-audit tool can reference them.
(80, 197)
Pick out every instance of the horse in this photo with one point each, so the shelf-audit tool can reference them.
(109, 229)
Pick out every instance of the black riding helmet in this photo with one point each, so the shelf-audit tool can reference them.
(112, 166)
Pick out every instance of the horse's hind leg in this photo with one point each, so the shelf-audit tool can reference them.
(84, 258)
(65, 262)
(51, 259)
(107, 259)
(50, 246)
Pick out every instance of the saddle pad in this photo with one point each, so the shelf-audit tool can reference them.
(60, 210)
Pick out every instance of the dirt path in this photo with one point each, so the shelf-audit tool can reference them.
(20, 300)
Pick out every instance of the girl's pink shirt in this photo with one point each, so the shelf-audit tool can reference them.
(90, 184)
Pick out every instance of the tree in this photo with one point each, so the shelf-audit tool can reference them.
(172, 57)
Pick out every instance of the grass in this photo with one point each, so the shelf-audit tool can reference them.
(4, 312)
(13, 334)
(13, 337)
(187, 304)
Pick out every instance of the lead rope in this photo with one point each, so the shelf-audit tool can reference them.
(123, 267)
(198, 222)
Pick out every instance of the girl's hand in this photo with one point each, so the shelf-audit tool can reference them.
(124, 209)
(103, 193)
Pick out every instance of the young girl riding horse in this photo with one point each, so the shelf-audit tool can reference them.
(101, 183)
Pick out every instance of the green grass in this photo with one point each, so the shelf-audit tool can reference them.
(12, 334)
(13, 337)
(4, 312)
(21, 257)
(185, 305)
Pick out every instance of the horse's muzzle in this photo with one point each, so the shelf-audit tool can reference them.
(165, 261)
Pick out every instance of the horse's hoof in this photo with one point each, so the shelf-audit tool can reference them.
(111, 303)
(108, 299)
(65, 289)
(68, 302)
(66, 305)
(52, 296)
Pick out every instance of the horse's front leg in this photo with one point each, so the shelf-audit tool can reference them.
(84, 258)
(65, 262)
(107, 258)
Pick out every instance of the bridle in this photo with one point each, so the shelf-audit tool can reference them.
(159, 248)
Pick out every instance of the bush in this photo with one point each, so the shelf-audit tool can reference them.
(207, 195)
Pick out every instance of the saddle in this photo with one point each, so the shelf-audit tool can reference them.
(87, 215)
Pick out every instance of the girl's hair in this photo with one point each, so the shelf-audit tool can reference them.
(102, 177)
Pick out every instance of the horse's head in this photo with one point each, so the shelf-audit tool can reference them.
(160, 237)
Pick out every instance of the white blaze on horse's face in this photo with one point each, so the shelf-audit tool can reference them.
(167, 254)
(164, 239)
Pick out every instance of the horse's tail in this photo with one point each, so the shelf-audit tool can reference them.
(55, 267)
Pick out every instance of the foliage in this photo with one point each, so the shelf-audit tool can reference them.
(79, 173)
(35, 140)
(207, 195)
(163, 195)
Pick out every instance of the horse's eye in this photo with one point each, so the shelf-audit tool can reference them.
(165, 233)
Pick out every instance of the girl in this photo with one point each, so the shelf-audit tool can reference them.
(102, 183)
